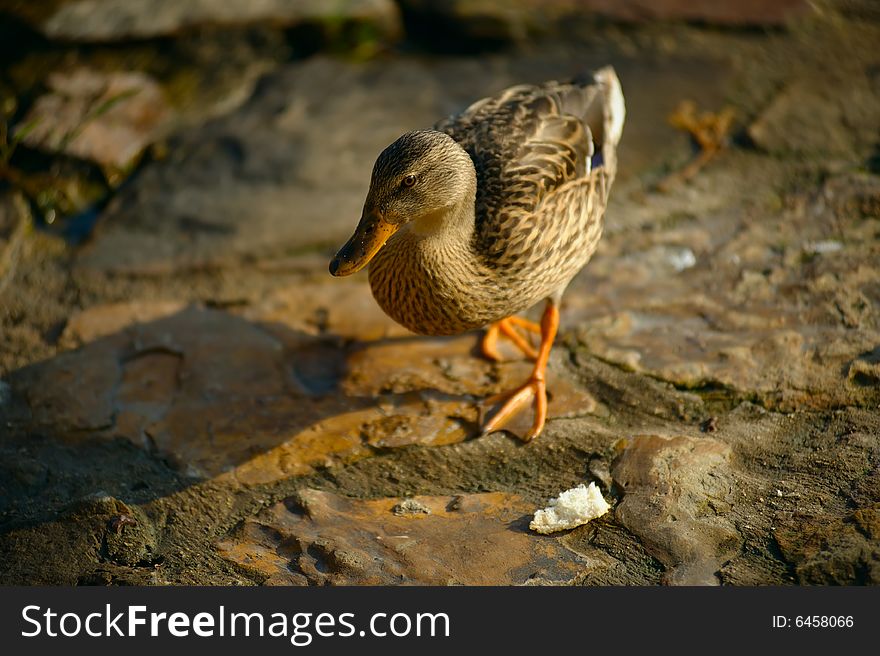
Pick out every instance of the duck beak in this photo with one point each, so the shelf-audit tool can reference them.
(371, 234)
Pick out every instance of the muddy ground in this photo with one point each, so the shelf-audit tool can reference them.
(188, 398)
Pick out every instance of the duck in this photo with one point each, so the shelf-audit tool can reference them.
(488, 213)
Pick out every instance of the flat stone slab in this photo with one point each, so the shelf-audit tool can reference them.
(214, 393)
(321, 538)
(774, 309)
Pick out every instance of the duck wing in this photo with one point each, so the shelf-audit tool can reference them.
(531, 142)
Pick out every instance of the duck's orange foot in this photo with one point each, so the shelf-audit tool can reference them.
(509, 404)
(534, 390)
(508, 328)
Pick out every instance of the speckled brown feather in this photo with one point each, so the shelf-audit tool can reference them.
(544, 168)
(525, 146)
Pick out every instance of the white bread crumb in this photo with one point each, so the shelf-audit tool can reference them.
(572, 508)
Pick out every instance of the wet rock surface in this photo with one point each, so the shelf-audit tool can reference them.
(675, 491)
(775, 308)
(278, 403)
(319, 538)
(186, 398)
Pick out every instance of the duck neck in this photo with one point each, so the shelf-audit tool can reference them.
(454, 224)
(428, 266)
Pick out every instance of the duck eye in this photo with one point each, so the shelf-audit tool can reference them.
(408, 181)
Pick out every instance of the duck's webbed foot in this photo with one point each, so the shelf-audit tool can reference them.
(509, 328)
(534, 390)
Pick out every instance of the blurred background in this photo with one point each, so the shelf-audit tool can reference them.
(175, 175)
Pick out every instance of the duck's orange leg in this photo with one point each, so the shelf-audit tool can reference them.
(535, 388)
(507, 328)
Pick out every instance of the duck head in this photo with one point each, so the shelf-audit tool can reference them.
(416, 184)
